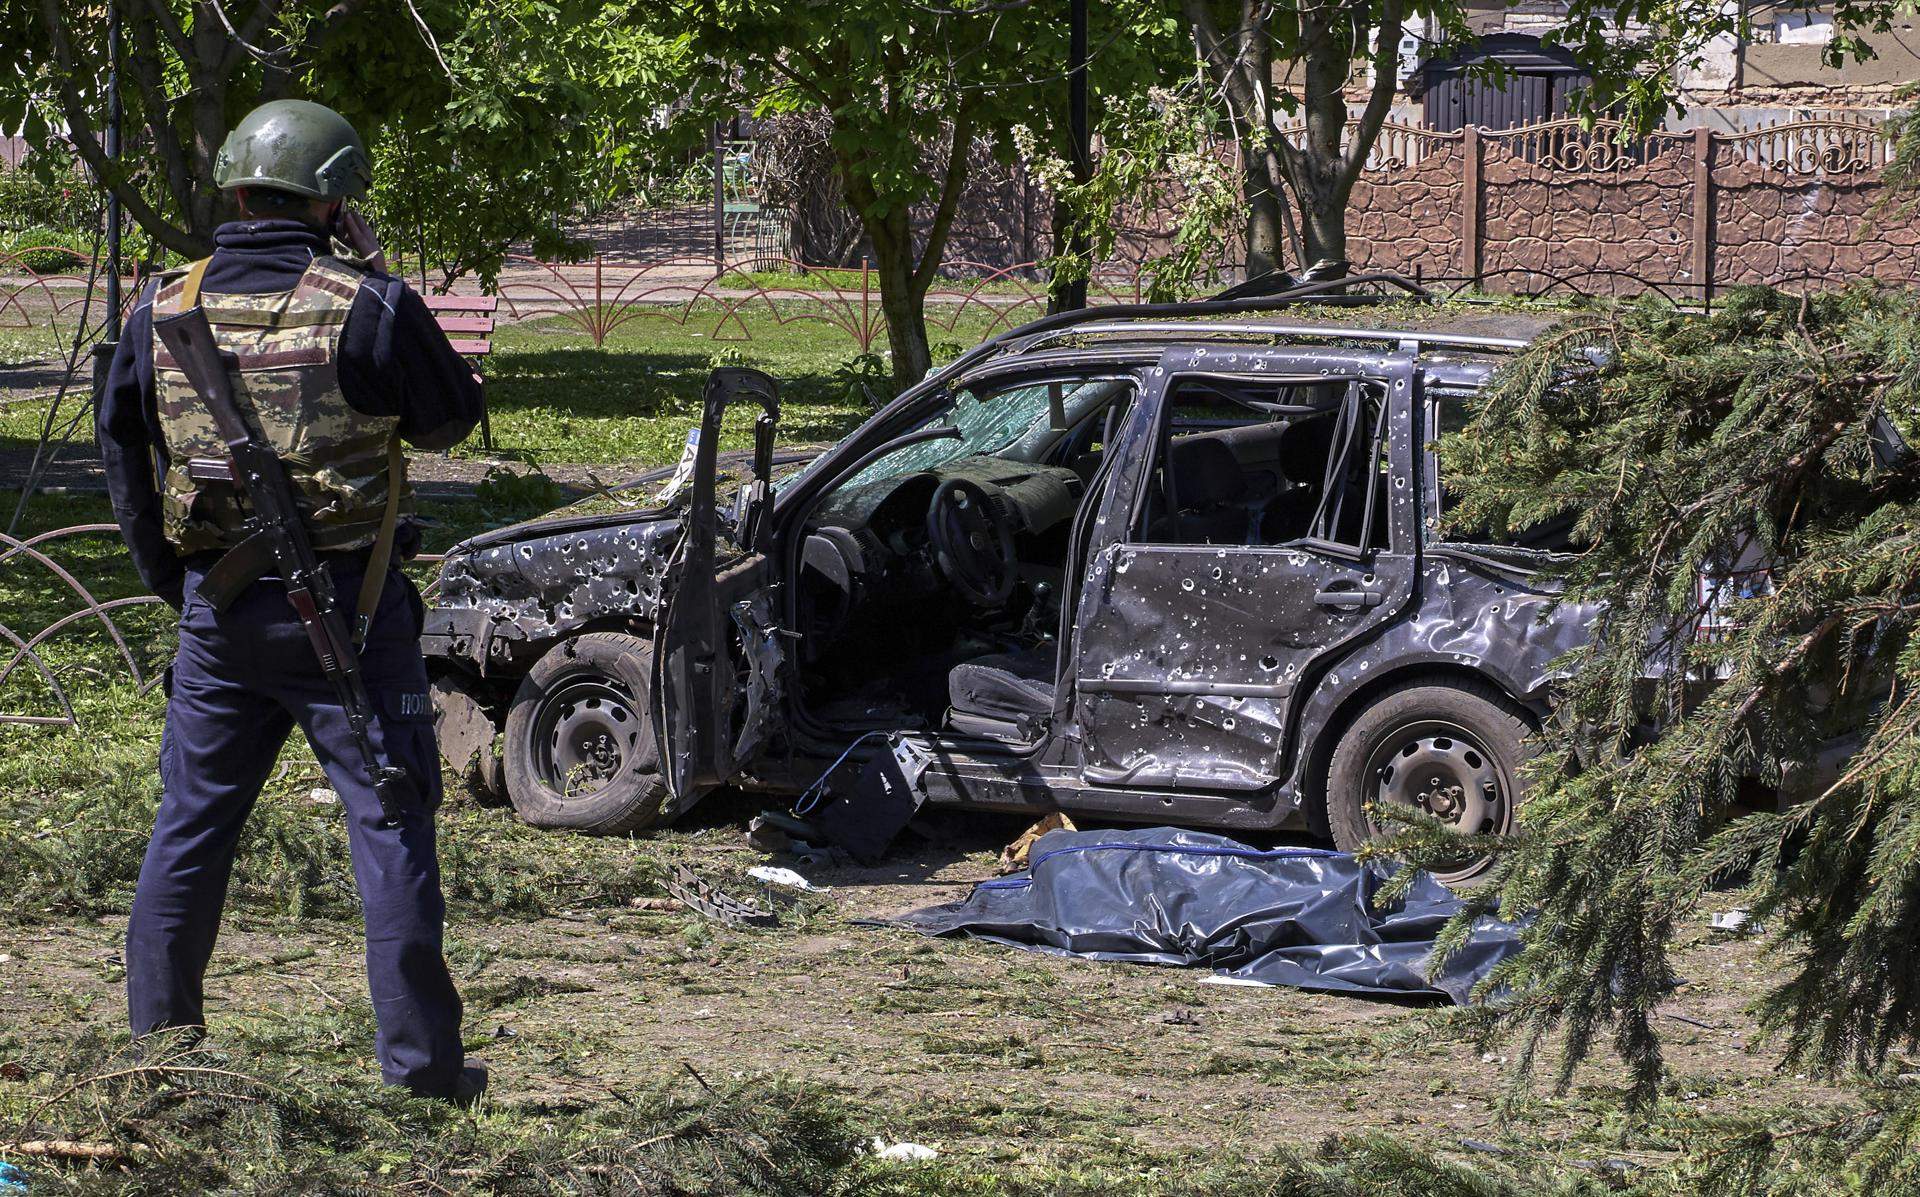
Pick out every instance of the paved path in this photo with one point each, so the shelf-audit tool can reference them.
(434, 477)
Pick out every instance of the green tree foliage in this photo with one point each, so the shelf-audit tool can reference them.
(522, 113)
(186, 75)
(1686, 450)
(1158, 154)
(489, 121)
(1902, 174)
(914, 89)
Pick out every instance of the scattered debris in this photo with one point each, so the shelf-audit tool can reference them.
(323, 797)
(763, 836)
(656, 904)
(66, 1149)
(864, 818)
(1608, 1167)
(1013, 858)
(1484, 1147)
(775, 875)
(902, 1152)
(704, 898)
(1179, 1016)
(1736, 922)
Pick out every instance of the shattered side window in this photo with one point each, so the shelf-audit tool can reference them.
(1245, 463)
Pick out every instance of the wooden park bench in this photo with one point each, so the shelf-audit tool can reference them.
(468, 322)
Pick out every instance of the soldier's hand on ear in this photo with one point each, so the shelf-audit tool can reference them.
(358, 234)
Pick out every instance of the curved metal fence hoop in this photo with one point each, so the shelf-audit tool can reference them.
(10, 297)
(1556, 283)
(971, 295)
(52, 629)
(86, 596)
(66, 718)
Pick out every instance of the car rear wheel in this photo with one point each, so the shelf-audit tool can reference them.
(580, 747)
(1455, 750)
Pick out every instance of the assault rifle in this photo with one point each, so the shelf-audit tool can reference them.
(276, 537)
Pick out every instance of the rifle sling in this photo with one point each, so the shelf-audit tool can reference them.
(382, 553)
(190, 292)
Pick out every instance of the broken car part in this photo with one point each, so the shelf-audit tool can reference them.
(702, 896)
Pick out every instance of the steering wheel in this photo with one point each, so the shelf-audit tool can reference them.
(972, 535)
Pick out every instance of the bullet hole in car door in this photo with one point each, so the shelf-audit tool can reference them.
(1263, 538)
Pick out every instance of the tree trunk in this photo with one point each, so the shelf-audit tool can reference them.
(1266, 216)
(1324, 229)
(1317, 182)
(901, 301)
(1057, 241)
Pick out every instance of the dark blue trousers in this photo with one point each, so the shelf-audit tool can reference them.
(244, 678)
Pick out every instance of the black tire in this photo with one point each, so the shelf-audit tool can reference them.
(1454, 748)
(580, 747)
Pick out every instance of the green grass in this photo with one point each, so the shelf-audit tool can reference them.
(281, 1100)
(554, 397)
(21, 346)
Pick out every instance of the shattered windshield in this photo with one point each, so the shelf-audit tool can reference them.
(987, 426)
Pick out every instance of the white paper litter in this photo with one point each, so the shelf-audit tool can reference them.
(775, 875)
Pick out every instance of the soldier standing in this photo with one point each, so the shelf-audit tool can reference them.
(336, 362)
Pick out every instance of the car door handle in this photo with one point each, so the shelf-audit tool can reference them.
(1350, 600)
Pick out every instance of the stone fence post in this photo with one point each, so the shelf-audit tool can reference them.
(1703, 212)
(1471, 157)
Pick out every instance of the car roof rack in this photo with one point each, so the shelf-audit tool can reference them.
(1338, 291)
(1280, 284)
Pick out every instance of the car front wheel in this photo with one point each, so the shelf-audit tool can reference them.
(580, 747)
(1453, 750)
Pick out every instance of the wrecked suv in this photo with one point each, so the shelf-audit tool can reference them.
(1178, 564)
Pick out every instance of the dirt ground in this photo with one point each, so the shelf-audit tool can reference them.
(980, 1049)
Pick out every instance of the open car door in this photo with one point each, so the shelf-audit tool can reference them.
(717, 653)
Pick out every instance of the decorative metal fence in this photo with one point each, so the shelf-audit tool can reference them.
(599, 296)
(82, 638)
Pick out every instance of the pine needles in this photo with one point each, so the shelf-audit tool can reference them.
(1751, 545)
(169, 1115)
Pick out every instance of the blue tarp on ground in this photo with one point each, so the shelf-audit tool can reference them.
(1288, 916)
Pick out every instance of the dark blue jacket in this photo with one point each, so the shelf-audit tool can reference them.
(393, 361)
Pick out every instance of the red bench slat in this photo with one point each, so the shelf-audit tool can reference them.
(473, 348)
(467, 324)
(461, 303)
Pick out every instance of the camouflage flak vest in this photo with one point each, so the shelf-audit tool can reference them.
(286, 344)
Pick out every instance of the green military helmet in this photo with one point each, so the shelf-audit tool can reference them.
(293, 145)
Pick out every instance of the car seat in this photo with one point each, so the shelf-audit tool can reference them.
(1004, 695)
